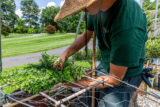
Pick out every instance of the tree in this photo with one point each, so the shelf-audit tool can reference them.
(6, 30)
(30, 12)
(70, 23)
(8, 12)
(20, 26)
(48, 15)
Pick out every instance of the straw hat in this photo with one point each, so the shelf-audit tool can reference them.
(71, 6)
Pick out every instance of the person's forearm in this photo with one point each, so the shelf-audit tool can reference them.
(116, 73)
(77, 45)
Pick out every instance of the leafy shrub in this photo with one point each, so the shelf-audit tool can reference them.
(6, 30)
(81, 55)
(153, 48)
(51, 29)
(31, 31)
(42, 29)
(58, 31)
(21, 29)
(39, 77)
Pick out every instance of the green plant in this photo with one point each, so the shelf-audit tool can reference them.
(153, 48)
(58, 31)
(42, 29)
(31, 31)
(21, 29)
(81, 55)
(6, 30)
(51, 29)
(39, 77)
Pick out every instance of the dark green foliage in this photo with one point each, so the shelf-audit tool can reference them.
(81, 55)
(8, 15)
(68, 24)
(20, 26)
(6, 30)
(30, 11)
(48, 15)
(39, 77)
(41, 29)
(21, 29)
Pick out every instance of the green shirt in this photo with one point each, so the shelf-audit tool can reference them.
(125, 43)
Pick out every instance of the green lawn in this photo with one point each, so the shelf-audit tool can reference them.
(14, 35)
(20, 46)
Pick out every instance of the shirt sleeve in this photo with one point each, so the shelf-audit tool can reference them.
(127, 48)
(90, 26)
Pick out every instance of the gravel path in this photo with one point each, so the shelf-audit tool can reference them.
(148, 101)
(31, 58)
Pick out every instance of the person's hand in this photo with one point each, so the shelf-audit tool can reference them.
(101, 78)
(58, 64)
(82, 83)
(88, 82)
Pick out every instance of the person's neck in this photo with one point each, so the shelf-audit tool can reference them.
(106, 4)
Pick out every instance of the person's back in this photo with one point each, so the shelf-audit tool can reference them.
(122, 33)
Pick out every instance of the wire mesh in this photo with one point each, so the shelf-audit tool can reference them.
(83, 100)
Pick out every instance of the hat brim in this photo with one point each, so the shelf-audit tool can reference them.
(70, 8)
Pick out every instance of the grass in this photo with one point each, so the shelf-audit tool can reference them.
(21, 46)
(15, 35)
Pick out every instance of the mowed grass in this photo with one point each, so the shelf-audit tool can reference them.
(21, 46)
(14, 35)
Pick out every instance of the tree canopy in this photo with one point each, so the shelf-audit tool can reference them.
(30, 11)
(8, 8)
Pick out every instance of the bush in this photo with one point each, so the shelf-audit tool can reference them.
(153, 48)
(31, 31)
(51, 29)
(6, 30)
(21, 29)
(42, 29)
(81, 55)
(58, 31)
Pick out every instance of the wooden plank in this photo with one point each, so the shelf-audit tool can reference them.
(93, 67)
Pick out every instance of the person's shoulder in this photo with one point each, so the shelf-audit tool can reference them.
(132, 6)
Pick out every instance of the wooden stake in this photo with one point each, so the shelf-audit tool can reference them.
(93, 67)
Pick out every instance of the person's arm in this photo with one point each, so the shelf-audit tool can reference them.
(76, 46)
(115, 71)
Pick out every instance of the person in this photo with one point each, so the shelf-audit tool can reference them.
(121, 29)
